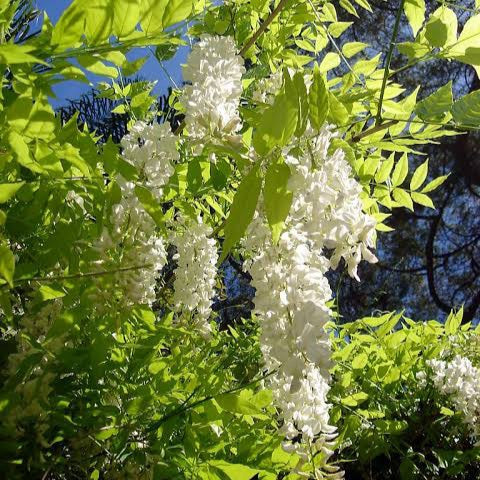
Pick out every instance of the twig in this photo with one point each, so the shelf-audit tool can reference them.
(389, 59)
(373, 130)
(82, 275)
(183, 408)
(335, 45)
(262, 28)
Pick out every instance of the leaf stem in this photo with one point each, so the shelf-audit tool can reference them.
(389, 59)
(262, 28)
(185, 407)
(374, 129)
(82, 275)
(335, 45)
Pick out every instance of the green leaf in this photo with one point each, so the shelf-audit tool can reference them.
(413, 50)
(7, 264)
(125, 16)
(364, 4)
(376, 321)
(466, 110)
(94, 65)
(106, 433)
(47, 292)
(360, 361)
(96, 20)
(72, 155)
(408, 470)
(419, 176)
(453, 322)
(352, 48)
(337, 114)
(441, 29)
(434, 184)
(237, 403)
(318, 100)
(436, 104)
(235, 471)
(300, 90)
(385, 169)
(436, 32)
(40, 122)
(274, 133)
(277, 197)
(156, 15)
(176, 11)
(157, 366)
(330, 61)
(337, 28)
(8, 190)
(22, 152)
(11, 54)
(446, 411)
(393, 427)
(422, 199)
(150, 204)
(401, 171)
(242, 209)
(467, 48)
(63, 323)
(415, 12)
(403, 198)
(355, 399)
(388, 326)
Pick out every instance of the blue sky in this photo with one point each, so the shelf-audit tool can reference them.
(150, 71)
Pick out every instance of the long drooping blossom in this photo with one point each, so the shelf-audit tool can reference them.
(195, 275)
(129, 246)
(131, 251)
(34, 388)
(325, 224)
(152, 150)
(459, 379)
(214, 73)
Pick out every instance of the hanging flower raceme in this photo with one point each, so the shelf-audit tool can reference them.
(211, 99)
(131, 252)
(152, 150)
(459, 379)
(195, 275)
(327, 205)
(325, 223)
(131, 249)
(290, 303)
(30, 411)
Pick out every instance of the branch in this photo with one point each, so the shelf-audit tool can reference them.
(82, 275)
(262, 28)
(184, 407)
(389, 59)
(373, 130)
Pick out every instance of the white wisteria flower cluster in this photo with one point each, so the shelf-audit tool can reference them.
(131, 249)
(194, 285)
(152, 149)
(459, 379)
(214, 73)
(130, 254)
(34, 389)
(325, 224)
